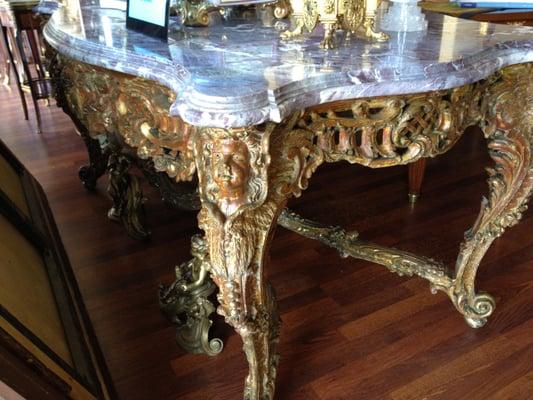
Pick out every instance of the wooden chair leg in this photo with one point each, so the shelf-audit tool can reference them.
(18, 68)
(5, 35)
(5, 61)
(416, 176)
(31, 83)
(35, 51)
(37, 113)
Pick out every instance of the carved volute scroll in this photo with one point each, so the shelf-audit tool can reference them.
(186, 302)
(144, 123)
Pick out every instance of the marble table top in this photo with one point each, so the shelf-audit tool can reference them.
(238, 71)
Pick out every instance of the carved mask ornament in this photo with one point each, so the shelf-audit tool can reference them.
(236, 165)
(230, 169)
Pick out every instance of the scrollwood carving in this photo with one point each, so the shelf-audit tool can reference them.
(97, 151)
(111, 103)
(383, 132)
(142, 120)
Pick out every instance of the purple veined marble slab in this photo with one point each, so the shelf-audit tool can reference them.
(238, 72)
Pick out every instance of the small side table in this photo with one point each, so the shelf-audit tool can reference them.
(36, 78)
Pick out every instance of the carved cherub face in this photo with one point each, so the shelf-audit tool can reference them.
(230, 166)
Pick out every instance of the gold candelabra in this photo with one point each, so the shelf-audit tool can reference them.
(354, 16)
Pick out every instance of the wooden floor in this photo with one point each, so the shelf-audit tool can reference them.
(351, 330)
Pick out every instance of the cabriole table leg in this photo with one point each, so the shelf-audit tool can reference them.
(508, 125)
(245, 177)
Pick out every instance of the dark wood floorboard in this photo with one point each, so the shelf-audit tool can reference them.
(351, 330)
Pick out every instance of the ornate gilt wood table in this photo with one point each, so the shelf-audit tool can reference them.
(252, 117)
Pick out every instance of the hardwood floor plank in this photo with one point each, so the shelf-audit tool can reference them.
(339, 384)
(519, 389)
(465, 376)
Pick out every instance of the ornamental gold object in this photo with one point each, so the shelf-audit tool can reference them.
(195, 12)
(186, 302)
(282, 8)
(354, 16)
(246, 175)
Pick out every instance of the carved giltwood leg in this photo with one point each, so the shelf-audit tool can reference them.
(128, 200)
(245, 177)
(508, 110)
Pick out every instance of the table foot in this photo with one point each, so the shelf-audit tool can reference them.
(128, 200)
(412, 198)
(186, 302)
(484, 305)
(416, 172)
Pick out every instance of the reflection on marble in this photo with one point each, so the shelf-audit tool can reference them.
(238, 72)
